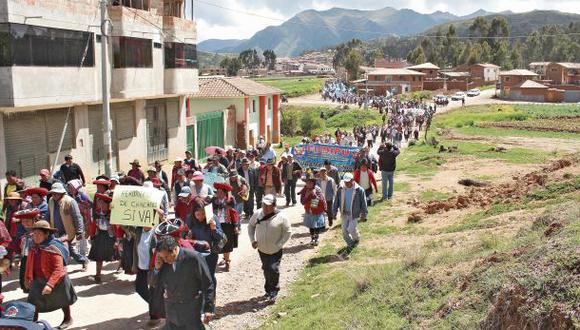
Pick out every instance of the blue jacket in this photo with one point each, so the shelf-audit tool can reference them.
(358, 206)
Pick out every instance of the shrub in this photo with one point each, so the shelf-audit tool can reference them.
(289, 122)
(311, 121)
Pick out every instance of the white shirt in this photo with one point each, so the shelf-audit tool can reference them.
(143, 248)
(364, 180)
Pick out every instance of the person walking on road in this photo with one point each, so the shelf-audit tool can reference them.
(314, 203)
(71, 171)
(291, 171)
(351, 201)
(269, 230)
(328, 187)
(387, 164)
(188, 285)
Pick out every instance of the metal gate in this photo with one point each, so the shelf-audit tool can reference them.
(156, 131)
(210, 131)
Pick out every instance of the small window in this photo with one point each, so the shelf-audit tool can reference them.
(180, 56)
(269, 103)
(157, 45)
(132, 53)
(253, 105)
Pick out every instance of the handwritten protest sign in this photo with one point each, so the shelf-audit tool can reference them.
(135, 206)
(313, 155)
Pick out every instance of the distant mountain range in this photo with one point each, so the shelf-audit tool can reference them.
(313, 30)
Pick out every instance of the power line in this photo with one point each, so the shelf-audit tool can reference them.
(381, 33)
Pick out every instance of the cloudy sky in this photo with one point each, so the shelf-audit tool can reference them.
(237, 23)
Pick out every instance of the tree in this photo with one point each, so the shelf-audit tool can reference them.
(232, 65)
(501, 55)
(250, 59)
(310, 121)
(417, 56)
(352, 64)
(479, 28)
(269, 59)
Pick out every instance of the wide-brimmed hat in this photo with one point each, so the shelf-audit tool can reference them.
(26, 214)
(270, 161)
(14, 196)
(136, 163)
(115, 178)
(102, 182)
(104, 197)
(57, 188)
(44, 225)
(222, 186)
(185, 192)
(233, 173)
(152, 169)
(322, 169)
(36, 191)
(197, 176)
(245, 161)
(178, 159)
(172, 227)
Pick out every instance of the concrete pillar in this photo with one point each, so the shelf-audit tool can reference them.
(275, 118)
(263, 117)
(246, 110)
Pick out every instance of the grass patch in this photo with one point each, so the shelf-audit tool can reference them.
(434, 195)
(506, 132)
(294, 87)
(428, 288)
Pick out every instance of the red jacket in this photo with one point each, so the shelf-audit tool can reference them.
(52, 265)
(372, 179)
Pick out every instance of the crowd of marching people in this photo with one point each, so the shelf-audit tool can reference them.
(47, 225)
(338, 91)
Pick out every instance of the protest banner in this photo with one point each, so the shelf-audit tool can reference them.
(135, 206)
(313, 155)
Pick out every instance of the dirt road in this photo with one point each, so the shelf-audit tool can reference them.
(115, 305)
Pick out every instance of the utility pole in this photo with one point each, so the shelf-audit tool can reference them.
(366, 91)
(105, 89)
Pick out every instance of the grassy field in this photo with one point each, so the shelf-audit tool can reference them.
(294, 87)
(504, 265)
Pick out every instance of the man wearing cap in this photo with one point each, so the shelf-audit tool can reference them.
(291, 172)
(70, 171)
(135, 172)
(329, 188)
(153, 177)
(270, 178)
(351, 201)
(254, 164)
(65, 216)
(269, 230)
(387, 164)
(252, 177)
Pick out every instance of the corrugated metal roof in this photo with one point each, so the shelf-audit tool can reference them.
(518, 72)
(425, 66)
(531, 84)
(396, 72)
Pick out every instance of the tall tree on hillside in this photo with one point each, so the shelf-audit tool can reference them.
(269, 59)
(499, 28)
(417, 56)
(479, 28)
(352, 64)
(486, 53)
(516, 59)
(250, 59)
(451, 47)
(232, 66)
(501, 55)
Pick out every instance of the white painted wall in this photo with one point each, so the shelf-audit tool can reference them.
(181, 81)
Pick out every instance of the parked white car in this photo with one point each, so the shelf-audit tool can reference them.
(473, 92)
(458, 96)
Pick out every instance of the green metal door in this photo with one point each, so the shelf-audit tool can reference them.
(190, 139)
(210, 131)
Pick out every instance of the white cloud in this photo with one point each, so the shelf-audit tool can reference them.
(219, 23)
